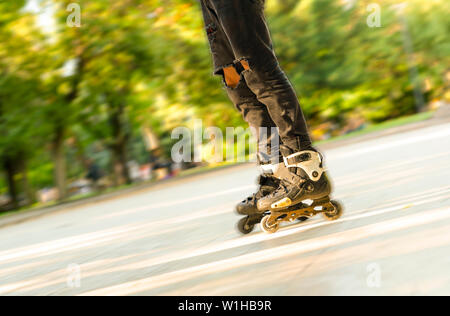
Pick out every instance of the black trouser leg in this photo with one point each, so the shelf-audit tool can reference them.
(253, 111)
(238, 31)
(256, 115)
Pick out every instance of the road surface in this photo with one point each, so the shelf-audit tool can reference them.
(179, 239)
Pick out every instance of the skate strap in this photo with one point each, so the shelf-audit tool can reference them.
(282, 172)
(292, 160)
(309, 161)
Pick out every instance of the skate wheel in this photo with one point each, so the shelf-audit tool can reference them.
(336, 213)
(268, 228)
(244, 227)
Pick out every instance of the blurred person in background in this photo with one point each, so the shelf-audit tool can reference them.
(243, 55)
(94, 174)
(161, 168)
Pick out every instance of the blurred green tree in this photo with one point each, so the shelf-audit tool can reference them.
(21, 69)
(68, 91)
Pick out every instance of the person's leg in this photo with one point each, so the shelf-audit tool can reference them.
(244, 24)
(253, 111)
(302, 173)
(258, 118)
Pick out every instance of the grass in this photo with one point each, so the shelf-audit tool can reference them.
(381, 126)
(367, 130)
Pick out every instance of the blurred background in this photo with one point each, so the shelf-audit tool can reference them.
(89, 108)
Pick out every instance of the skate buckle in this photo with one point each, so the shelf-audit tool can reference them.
(282, 203)
(309, 161)
(293, 160)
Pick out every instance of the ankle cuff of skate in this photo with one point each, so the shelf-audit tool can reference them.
(309, 161)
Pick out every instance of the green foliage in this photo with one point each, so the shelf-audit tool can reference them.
(340, 65)
(146, 63)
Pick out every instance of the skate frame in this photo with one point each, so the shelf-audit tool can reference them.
(330, 210)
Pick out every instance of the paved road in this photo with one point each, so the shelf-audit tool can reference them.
(180, 240)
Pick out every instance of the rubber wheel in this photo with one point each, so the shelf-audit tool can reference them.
(268, 228)
(336, 213)
(244, 227)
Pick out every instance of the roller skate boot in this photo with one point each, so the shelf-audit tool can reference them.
(267, 184)
(247, 207)
(302, 178)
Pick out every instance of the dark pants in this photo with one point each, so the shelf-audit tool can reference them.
(237, 31)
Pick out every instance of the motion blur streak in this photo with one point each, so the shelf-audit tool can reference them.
(279, 252)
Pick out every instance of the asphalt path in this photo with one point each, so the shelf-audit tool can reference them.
(180, 239)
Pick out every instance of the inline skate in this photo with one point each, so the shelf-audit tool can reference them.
(302, 178)
(248, 207)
